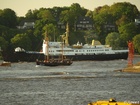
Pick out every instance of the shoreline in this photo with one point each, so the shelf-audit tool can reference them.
(128, 70)
(136, 55)
(134, 68)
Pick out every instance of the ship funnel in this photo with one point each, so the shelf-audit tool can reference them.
(95, 42)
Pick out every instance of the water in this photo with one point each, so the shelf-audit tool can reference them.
(78, 84)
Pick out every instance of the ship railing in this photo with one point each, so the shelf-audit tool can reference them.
(121, 51)
(34, 52)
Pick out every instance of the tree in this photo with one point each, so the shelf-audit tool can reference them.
(3, 43)
(65, 16)
(124, 9)
(72, 13)
(32, 14)
(8, 33)
(136, 42)
(113, 39)
(89, 14)
(46, 15)
(117, 14)
(51, 31)
(21, 40)
(75, 10)
(127, 32)
(102, 16)
(8, 18)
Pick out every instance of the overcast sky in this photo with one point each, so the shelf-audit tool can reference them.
(22, 6)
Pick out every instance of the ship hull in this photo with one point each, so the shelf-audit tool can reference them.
(99, 57)
(23, 57)
(32, 57)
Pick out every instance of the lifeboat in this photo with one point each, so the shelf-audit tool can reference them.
(78, 45)
(114, 102)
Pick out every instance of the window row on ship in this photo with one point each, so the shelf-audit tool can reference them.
(77, 50)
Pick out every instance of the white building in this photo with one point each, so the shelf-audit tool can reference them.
(26, 25)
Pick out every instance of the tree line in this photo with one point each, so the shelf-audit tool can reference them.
(122, 15)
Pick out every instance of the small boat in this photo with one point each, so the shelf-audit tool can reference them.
(5, 64)
(112, 101)
(53, 61)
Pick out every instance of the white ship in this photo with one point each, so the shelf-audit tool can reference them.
(95, 51)
(77, 52)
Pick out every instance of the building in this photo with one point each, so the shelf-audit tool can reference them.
(61, 25)
(137, 21)
(26, 25)
(84, 23)
(110, 27)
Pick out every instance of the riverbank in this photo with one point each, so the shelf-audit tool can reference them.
(134, 68)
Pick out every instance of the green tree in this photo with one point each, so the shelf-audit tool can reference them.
(74, 13)
(46, 15)
(33, 38)
(113, 39)
(38, 32)
(65, 16)
(3, 43)
(52, 32)
(102, 16)
(75, 10)
(127, 32)
(8, 33)
(89, 14)
(71, 14)
(8, 18)
(136, 42)
(32, 14)
(117, 14)
(124, 12)
(21, 40)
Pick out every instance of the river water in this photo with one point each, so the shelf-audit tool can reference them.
(83, 82)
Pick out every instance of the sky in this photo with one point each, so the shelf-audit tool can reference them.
(21, 7)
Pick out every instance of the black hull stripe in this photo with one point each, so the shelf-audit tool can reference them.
(15, 57)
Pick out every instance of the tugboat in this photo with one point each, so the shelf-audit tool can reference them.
(112, 101)
(53, 61)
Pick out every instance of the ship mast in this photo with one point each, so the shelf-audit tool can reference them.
(65, 40)
(47, 45)
(62, 51)
(66, 35)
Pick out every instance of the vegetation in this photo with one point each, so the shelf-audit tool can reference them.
(113, 39)
(122, 15)
(21, 40)
(136, 42)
